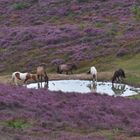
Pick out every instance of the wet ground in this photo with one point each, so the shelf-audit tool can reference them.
(86, 86)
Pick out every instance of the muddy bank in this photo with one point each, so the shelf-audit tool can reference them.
(102, 76)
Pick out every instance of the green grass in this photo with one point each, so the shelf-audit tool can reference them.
(130, 63)
(16, 123)
(135, 97)
(20, 6)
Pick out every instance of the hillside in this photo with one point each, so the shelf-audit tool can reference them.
(57, 31)
(29, 114)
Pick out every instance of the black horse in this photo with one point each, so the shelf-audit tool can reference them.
(118, 75)
(66, 68)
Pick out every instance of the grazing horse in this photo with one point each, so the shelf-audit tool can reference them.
(22, 76)
(118, 75)
(66, 68)
(41, 73)
(93, 72)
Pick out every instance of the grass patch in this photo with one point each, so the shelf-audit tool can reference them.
(135, 97)
(136, 11)
(129, 63)
(17, 124)
(20, 6)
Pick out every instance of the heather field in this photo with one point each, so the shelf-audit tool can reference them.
(43, 115)
(86, 31)
(104, 33)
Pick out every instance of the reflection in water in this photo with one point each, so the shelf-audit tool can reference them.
(40, 85)
(118, 89)
(85, 86)
(92, 86)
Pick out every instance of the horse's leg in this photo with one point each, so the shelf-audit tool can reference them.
(25, 80)
(38, 78)
(93, 77)
(16, 81)
(119, 79)
(41, 80)
(96, 77)
(46, 78)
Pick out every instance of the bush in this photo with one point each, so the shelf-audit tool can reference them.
(136, 11)
(20, 6)
(80, 1)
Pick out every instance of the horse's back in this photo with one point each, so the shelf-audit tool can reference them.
(93, 70)
(23, 76)
(64, 67)
(19, 75)
(40, 70)
(122, 73)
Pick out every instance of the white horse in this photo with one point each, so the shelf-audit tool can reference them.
(93, 72)
(23, 77)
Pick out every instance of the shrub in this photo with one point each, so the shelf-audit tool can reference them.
(136, 11)
(80, 1)
(17, 124)
(20, 6)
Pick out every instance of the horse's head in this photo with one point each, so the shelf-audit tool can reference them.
(88, 72)
(113, 78)
(33, 77)
(58, 70)
(74, 66)
(122, 73)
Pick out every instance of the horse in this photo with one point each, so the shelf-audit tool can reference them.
(23, 77)
(66, 68)
(118, 75)
(41, 73)
(93, 72)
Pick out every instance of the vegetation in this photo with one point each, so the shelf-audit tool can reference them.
(104, 33)
(57, 115)
(20, 6)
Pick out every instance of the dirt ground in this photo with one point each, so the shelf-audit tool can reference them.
(102, 76)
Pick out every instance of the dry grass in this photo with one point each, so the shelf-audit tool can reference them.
(102, 76)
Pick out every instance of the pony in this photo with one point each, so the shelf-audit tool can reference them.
(23, 77)
(66, 68)
(93, 72)
(118, 75)
(41, 73)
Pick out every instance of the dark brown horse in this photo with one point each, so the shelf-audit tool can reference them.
(41, 73)
(66, 68)
(118, 75)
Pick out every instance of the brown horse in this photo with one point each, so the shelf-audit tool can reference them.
(41, 73)
(118, 75)
(66, 68)
(23, 77)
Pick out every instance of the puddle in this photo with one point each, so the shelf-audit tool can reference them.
(85, 86)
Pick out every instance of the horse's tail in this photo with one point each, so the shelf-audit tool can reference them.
(14, 79)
